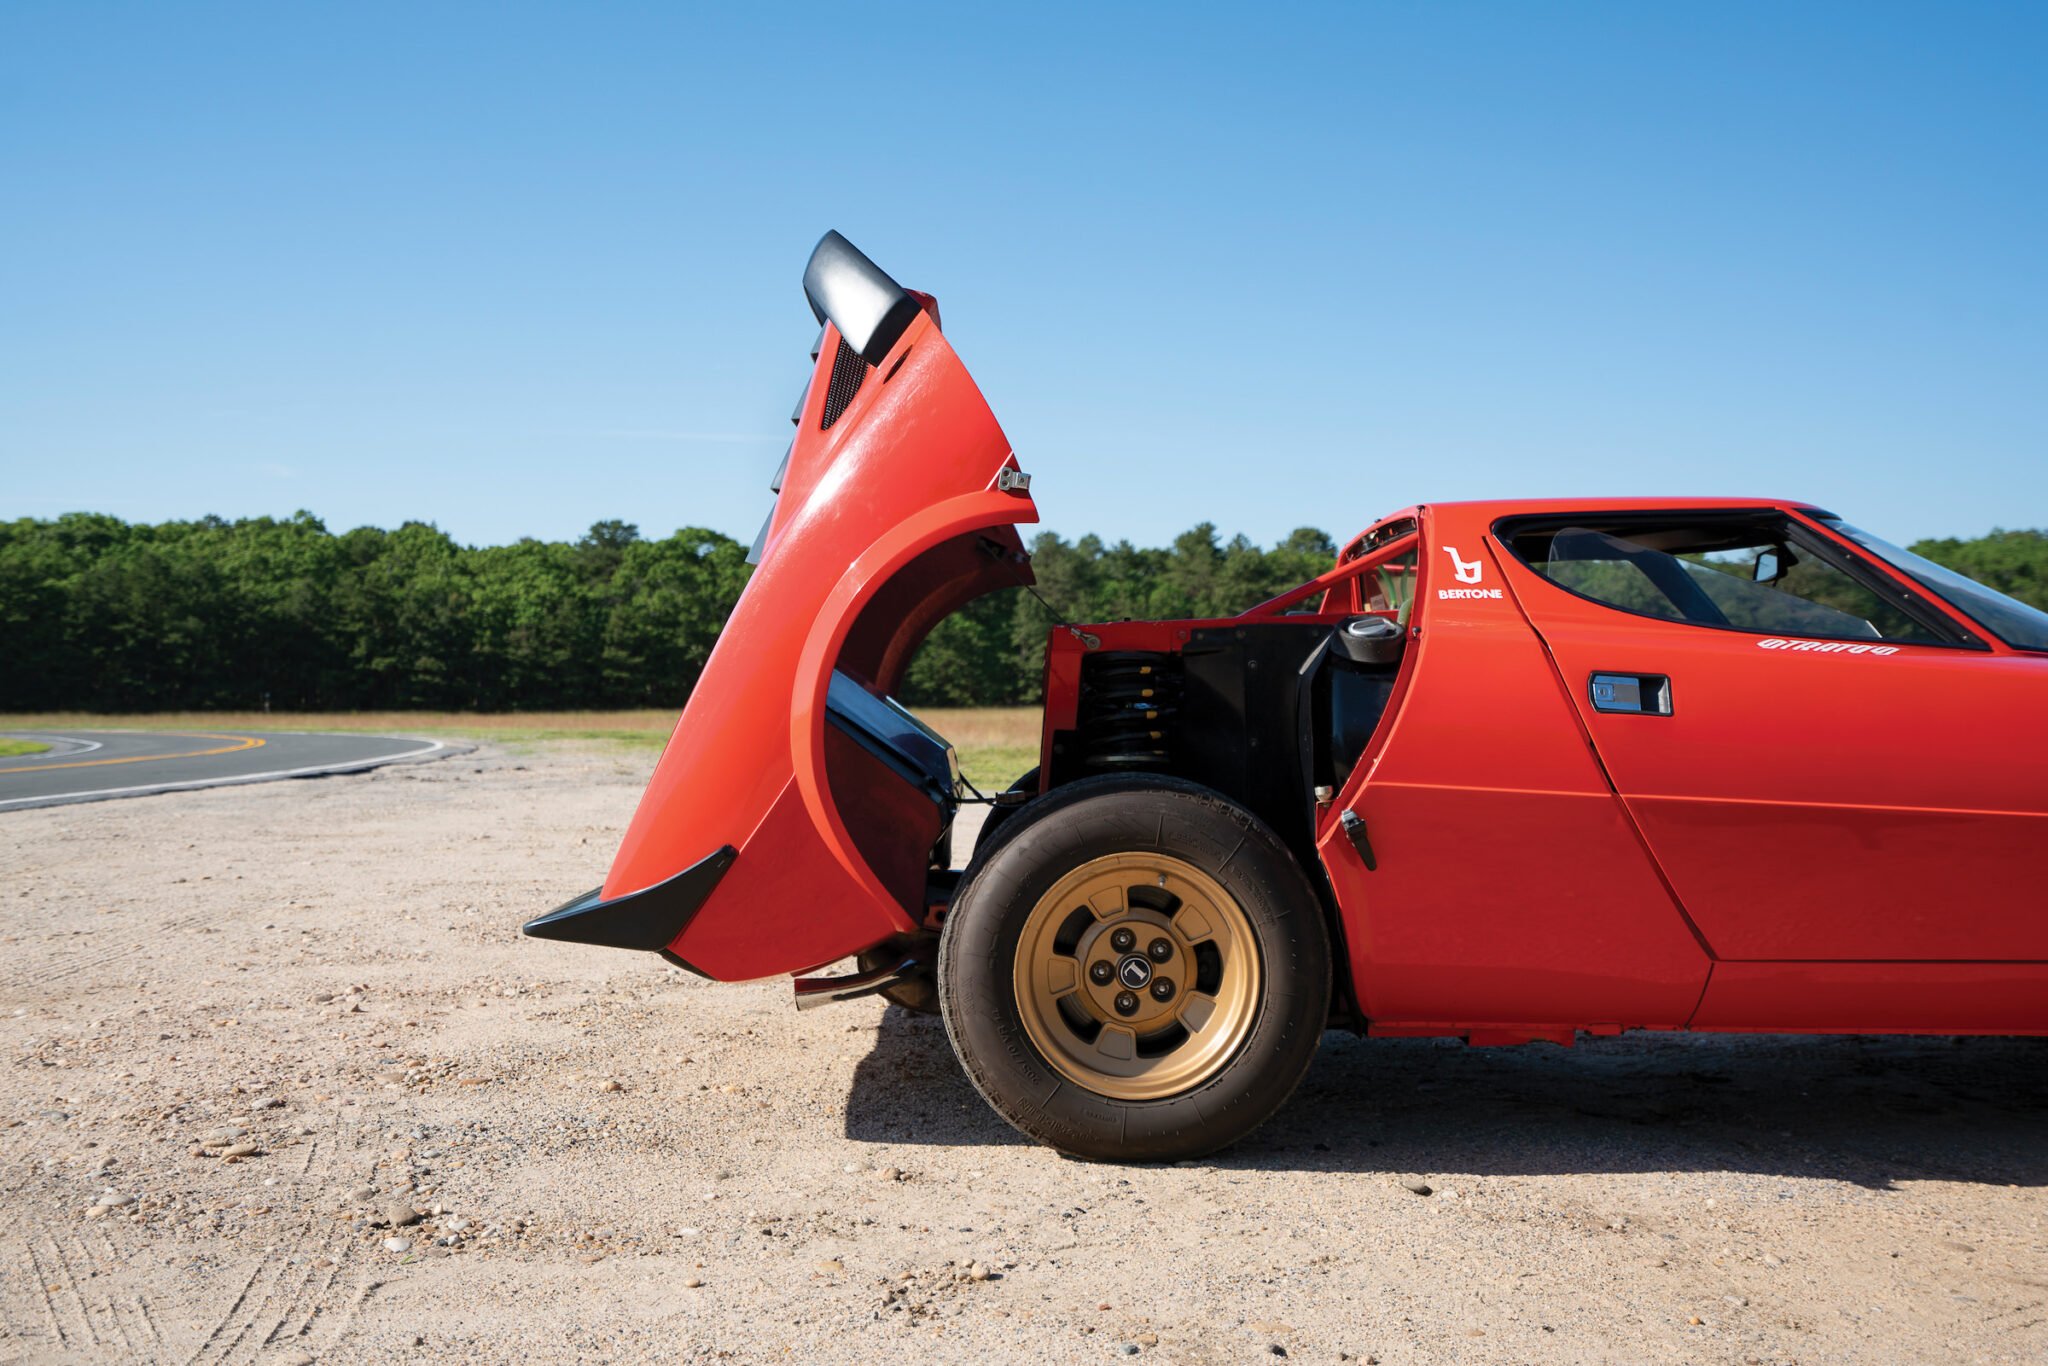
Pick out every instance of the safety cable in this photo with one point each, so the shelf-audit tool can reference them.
(1087, 638)
(1004, 798)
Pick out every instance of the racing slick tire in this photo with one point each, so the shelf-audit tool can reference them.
(1135, 970)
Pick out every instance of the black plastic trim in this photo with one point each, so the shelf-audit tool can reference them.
(649, 919)
(857, 296)
(1354, 830)
(910, 751)
(849, 372)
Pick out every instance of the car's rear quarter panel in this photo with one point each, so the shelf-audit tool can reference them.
(910, 466)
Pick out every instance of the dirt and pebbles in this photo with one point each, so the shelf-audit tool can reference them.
(284, 1083)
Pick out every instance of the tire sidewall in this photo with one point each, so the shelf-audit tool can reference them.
(978, 993)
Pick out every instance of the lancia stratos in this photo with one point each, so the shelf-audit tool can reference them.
(1507, 772)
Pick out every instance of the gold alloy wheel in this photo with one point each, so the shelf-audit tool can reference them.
(1137, 976)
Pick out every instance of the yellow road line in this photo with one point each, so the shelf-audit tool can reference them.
(241, 742)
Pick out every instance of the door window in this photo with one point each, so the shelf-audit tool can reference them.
(1745, 574)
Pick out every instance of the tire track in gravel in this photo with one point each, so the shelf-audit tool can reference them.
(344, 1151)
(59, 1290)
(101, 1307)
(10, 1334)
(125, 1311)
(294, 1273)
(130, 1311)
(341, 1249)
(308, 1312)
(295, 1289)
(102, 1326)
(97, 956)
(42, 1282)
(206, 1343)
(140, 1310)
(285, 1294)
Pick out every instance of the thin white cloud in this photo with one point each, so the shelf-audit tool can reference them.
(704, 438)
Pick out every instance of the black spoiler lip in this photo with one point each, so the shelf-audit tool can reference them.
(649, 919)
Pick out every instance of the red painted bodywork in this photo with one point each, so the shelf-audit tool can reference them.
(887, 521)
(1812, 841)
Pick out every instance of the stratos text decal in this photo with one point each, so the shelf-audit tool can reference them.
(1827, 647)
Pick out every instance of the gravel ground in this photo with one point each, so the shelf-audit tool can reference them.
(285, 1084)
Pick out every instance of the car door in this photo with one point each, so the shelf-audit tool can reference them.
(1491, 882)
(1825, 765)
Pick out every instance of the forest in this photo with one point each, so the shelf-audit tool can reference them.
(104, 615)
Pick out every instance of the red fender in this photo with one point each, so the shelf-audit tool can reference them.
(905, 504)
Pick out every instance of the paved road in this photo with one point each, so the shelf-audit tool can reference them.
(94, 765)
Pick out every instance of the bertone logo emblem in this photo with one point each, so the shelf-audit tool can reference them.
(1469, 571)
(1134, 972)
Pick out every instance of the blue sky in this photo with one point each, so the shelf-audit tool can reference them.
(515, 268)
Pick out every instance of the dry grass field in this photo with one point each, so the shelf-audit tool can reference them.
(995, 743)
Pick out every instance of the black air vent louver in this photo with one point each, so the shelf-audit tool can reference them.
(849, 371)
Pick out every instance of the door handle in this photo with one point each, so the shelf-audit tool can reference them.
(1631, 694)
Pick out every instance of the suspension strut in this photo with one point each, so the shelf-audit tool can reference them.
(1130, 701)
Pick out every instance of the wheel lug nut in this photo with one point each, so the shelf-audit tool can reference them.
(1121, 940)
(1101, 974)
(1126, 1004)
(1162, 988)
(1160, 950)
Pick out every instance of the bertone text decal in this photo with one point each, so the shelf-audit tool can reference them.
(1469, 571)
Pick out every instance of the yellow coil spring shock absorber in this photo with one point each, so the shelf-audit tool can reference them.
(1130, 700)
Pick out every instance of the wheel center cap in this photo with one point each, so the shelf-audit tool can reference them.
(1133, 971)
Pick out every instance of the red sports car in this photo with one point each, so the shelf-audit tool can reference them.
(1506, 772)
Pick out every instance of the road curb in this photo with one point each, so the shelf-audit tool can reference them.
(432, 750)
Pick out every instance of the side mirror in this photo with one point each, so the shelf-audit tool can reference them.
(1770, 566)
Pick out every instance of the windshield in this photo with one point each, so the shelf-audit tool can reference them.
(2012, 621)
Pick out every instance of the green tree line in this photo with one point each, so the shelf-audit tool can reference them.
(993, 652)
(105, 615)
